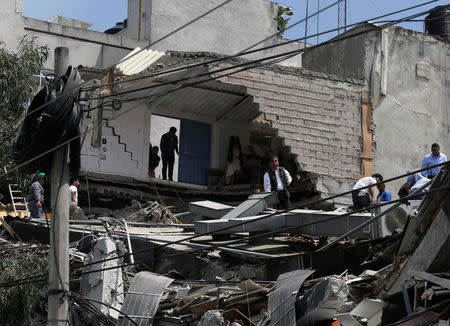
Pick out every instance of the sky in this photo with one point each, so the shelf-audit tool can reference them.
(104, 14)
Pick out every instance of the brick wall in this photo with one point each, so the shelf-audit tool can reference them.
(317, 117)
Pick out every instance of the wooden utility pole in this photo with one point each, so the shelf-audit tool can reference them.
(58, 258)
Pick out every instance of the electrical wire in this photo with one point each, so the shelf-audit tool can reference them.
(162, 202)
(228, 57)
(181, 199)
(34, 279)
(261, 60)
(269, 233)
(242, 53)
(77, 295)
(285, 211)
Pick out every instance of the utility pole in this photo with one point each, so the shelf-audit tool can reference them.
(306, 21)
(342, 15)
(58, 258)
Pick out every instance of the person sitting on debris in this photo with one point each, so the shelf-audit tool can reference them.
(169, 145)
(434, 158)
(75, 212)
(36, 196)
(278, 179)
(153, 161)
(383, 194)
(364, 197)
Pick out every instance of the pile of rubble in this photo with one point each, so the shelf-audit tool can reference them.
(151, 212)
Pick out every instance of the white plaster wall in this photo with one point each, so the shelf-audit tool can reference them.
(11, 22)
(86, 47)
(414, 113)
(227, 30)
(130, 160)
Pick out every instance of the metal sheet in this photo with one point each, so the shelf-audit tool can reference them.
(142, 299)
(138, 60)
(282, 299)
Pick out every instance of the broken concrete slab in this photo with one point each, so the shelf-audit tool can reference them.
(321, 302)
(254, 205)
(209, 209)
(105, 285)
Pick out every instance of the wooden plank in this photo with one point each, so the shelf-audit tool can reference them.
(367, 136)
(8, 229)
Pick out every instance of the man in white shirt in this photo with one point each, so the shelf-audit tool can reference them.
(364, 197)
(278, 179)
(75, 212)
(73, 191)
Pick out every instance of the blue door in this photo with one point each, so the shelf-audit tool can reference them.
(195, 152)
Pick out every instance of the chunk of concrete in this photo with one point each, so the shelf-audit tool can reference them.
(209, 209)
(212, 318)
(321, 302)
(106, 285)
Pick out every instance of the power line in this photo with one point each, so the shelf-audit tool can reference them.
(163, 72)
(258, 61)
(290, 228)
(241, 53)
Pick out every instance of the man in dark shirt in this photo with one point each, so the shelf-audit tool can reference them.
(278, 179)
(36, 196)
(153, 161)
(169, 145)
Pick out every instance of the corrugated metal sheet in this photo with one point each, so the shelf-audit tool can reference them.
(211, 98)
(138, 60)
(282, 299)
(142, 299)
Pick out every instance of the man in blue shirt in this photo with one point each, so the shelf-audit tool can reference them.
(383, 194)
(36, 196)
(435, 157)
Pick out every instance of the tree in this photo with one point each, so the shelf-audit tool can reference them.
(282, 19)
(16, 89)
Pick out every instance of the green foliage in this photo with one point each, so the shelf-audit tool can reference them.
(282, 19)
(18, 303)
(16, 89)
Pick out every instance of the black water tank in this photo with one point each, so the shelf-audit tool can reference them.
(438, 22)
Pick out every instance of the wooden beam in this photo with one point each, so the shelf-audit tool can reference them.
(367, 167)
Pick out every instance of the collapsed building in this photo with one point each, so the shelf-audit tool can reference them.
(330, 122)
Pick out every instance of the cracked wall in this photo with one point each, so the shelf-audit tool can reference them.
(413, 113)
(317, 116)
(407, 75)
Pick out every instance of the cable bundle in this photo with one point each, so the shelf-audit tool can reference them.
(53, 117)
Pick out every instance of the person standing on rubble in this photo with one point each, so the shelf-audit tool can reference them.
(278, 179)
(153, 160)
(169, 145)
(434, 158)
(75, 212)
(36, 196)
(364, 197)
(383, 194)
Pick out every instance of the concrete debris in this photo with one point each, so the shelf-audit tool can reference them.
(180, 277)
(151, 212)
(212, 318)
(105, 285)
